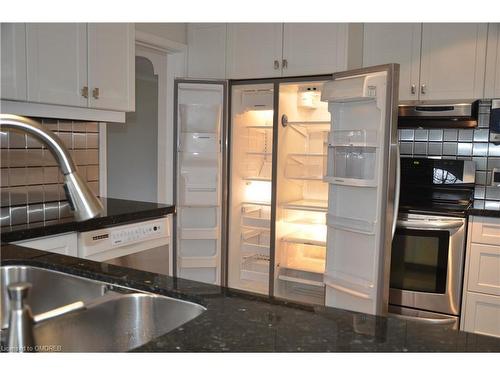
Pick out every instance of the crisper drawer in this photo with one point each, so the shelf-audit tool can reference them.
(486, 230)
(484, 269)
(482, 314)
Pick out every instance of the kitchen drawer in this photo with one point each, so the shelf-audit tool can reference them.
(486, 230)
(482, 314)
(484, 269)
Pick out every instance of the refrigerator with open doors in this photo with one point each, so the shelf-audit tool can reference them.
(362, 173)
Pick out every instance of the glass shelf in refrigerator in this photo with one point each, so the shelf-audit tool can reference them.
(307, 205)
(305, 166)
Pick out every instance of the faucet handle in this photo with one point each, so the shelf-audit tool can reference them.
(18, 292)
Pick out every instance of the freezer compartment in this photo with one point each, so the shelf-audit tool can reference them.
(301, 286)
(352, 165)
(255, 268)
(256, 216)
(305, 166)
(199, 118)
(255, 242)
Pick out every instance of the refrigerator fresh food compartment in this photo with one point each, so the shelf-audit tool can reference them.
(200, 118)
(352, 162)
(255, 242)
(199, 142)
(257, 191)
(305, 166)
(358, 137)
(256, 216)
(257, 140)
(256, 268)
(198, 247)
(256, 168)
(303, 257)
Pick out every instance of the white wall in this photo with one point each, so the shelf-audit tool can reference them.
(176, 32)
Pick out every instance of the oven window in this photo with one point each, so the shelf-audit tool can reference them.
(419, 260)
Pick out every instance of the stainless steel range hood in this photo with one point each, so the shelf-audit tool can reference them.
(438, 114)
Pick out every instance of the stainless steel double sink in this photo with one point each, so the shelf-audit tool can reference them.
(115, 318)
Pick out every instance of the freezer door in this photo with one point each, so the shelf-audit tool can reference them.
(199, 179)
(361, 172)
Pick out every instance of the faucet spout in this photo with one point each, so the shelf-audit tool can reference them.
(81, 199)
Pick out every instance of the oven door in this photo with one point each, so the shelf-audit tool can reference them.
(427, 263)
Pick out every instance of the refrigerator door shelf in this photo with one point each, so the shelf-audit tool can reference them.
(351, 225)
(199, 142)
(350, 162)
(354, 138)
(199, 233)
(201, 118)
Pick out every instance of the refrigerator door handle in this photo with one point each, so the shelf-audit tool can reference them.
(397, 191)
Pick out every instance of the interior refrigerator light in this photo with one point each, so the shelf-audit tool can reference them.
(263, 117)
(258, 191)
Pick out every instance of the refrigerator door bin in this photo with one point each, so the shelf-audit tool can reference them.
(352, 225)
(256, 216)
(198, 218)
(205, 247)
(200, 118)
(199, 189)
(199, 233)
(199, 142)
(305, 166)
(357, 138)
(303, 257)
(352, 165)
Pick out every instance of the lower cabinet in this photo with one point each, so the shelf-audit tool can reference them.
(65, 244)
(481, 296)
(482, 314)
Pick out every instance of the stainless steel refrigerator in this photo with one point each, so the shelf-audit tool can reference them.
(268, 233)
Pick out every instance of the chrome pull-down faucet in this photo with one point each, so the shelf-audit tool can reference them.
(81, 199)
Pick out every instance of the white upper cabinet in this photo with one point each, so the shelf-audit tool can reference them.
(207, 50)
(254, 50)
(111, 66)
(492, 82)
(57, 63)
(395, 43)
(13, 64)
(453, 60)
(314, 48)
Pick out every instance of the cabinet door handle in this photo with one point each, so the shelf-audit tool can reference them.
(284, 63)
(276, 64)
(423, 89)
(95, 93)
(413, 89)
(85, 92)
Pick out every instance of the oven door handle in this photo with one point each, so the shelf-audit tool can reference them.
(428, 224)
(436, 321)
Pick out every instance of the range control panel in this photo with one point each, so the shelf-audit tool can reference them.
(123, 236)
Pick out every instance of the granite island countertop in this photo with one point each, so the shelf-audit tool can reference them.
(116, 211)
(242, 322)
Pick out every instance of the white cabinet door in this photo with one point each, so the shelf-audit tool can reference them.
(314, 48)
(13, 64)
(254, 50)
(111, 66)
(65, 244)
(482, 314)
(57, 63)
(492, 82)
(395, 43)
(484, 269)
(207, 50)
(486, 230)
(453, 61)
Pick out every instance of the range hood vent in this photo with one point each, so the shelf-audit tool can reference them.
(438, 114)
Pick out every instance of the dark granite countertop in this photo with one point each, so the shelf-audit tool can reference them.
(116, 211)
(242, 322)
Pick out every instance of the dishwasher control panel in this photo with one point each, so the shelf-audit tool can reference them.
(137, 233)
